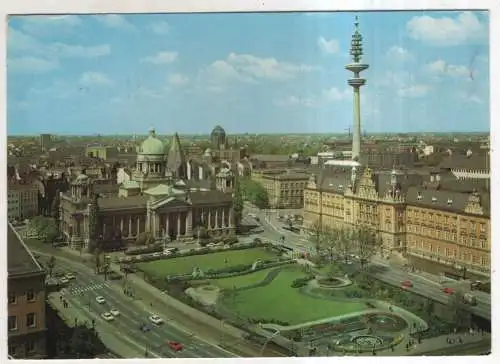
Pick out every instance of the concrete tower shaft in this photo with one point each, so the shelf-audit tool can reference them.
(356, 67)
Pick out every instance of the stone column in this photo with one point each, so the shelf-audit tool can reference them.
(147, 227)
(167, 224)
(103, 229)
(121, 225)
(178, 224)
(223, 218)
(138, 226)
(189, 223)
(216, 218)
(231, 218)
(157, 225)
(129, 226)
(209, 223)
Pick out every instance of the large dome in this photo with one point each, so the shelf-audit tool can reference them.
(152, 145)
(218, 130)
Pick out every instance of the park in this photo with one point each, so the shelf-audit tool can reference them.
(269, 293)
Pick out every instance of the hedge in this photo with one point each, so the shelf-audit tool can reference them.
(301, 282)
(154, 248)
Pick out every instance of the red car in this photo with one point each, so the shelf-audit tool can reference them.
(175, 346)
(448, 290)
(406, 284)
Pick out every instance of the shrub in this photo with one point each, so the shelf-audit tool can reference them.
(301, 282)
(155, 248)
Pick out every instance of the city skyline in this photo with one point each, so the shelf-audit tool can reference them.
(76, 74)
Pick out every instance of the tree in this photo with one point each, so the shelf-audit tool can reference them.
(45, 227)
(366, 244)
(339, 240)
(459, 310)
(51, 264)
(237, 202)
(84, 343)
(317, 236)
(255, 193)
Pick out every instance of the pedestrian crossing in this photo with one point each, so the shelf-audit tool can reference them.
(74, 291)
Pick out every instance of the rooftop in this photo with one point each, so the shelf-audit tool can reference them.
(20, 261)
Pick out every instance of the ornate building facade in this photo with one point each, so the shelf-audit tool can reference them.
(436, 230)
(163, 198)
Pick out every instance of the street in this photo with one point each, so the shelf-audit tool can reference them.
(82, 292)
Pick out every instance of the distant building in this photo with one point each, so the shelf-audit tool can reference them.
(45, 142)
(285, 189)
(469, 166)
(26, 301)
(101, 152)
(221, 149)
(22, 201)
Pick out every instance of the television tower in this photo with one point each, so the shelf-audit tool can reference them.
(356, 67)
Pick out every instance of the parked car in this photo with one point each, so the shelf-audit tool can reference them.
(175, 345)
(100, 299)
(69, 276)
(145, 327)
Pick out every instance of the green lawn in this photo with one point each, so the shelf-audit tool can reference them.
(184, 265)
(279, 301)
(242, 281)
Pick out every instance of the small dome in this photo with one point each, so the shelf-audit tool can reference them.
(218, 130)
(81, 178)
(208, 152)
(152, 145)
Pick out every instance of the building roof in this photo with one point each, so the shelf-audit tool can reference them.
(162, 189)
(210, 197)
(270, 157)
(287, 176)
(472, 162)
(118, 203)
(130, 185)
(20, 261)
(175, 154)
(152, 145)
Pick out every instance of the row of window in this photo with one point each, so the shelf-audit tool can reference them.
(30, 296)
(29, 348)
(30, 322)
(451, 253)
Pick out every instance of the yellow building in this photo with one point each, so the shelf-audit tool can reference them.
(285, 189)
(434, 230)
(102, 152)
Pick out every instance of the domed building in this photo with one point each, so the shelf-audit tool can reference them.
(165, 196)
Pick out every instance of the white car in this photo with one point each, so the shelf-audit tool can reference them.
(100, 299)
(107, 316)
(69, 276)
(157, 320)
(211, 245)
(115, 312)
(64, 280)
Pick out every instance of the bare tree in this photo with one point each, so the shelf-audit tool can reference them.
(317, 236)
(366, 244)
(341, 242)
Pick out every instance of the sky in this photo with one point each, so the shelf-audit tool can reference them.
(248, 72)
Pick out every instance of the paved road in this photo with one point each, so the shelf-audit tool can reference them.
(82, 293)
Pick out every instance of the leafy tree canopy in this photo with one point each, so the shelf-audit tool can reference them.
(255, 193)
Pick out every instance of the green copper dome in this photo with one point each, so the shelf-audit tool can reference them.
(152, 145)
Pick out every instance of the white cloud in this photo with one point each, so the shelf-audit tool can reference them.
(41, 25)
(335, 94)
(31, 65)
(414, 91)
(177, 79)
(328, 46)
(22, 43)
(442, 68)
(94, 79)
(296, 101)
(447, 31)
(161, 58)
(161, 28)
(114, 21)
(399, 54)
(249, 68)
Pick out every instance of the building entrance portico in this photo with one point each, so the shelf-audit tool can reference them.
(174, 225)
